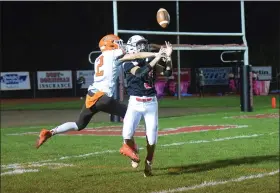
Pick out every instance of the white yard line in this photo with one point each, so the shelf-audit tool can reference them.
(26, 133)
(213, 140)
(115, 151)
(215, 183)
(21, 168)
(18, 171)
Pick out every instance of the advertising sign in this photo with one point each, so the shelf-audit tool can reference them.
(54, 80)
(15, 81)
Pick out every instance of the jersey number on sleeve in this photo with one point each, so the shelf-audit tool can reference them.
(98, 71)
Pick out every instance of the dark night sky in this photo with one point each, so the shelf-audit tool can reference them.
(60, 35)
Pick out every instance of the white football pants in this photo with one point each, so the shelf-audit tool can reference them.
(136, 109)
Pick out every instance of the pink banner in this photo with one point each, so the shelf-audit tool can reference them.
(232, 85)
(160, 85)
(263, 87)
(256, 87)
(170, 84)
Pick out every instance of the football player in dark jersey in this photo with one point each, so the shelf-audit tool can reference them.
(140, 79)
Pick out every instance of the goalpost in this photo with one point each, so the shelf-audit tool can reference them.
(246, 96)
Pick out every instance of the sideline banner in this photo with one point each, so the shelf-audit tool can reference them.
(88, 77)
(185, 74)
(15, 81)
(261, 87)
(263, 72)
(54, 80)
(170, 84)
(216, 76)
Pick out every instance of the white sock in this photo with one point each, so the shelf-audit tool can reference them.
(69, 126)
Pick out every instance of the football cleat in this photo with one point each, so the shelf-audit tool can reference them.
(129, 152)
(135, 148)
(148, 169)
(44, 135)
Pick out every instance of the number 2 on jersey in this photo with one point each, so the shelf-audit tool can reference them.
(98, 71)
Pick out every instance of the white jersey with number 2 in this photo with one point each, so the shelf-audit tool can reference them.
(106, 72)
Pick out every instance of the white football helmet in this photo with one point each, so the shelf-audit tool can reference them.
(137, 44)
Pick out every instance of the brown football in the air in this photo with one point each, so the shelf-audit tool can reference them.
(163, 17)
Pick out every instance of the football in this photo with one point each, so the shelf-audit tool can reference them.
(163, 17)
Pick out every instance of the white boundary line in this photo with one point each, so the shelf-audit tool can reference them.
(214, 183)
(20, 168)
(213, 140)
(14, 165)
(18, 171)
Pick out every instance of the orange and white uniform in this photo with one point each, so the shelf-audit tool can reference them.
(106, 72)
(99, 96)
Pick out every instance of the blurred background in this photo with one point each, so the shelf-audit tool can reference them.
(45, 45)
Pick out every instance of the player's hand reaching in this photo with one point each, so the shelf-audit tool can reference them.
(161, 53)
(169, 49)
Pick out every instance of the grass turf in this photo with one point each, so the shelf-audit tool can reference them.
(186, 159)
(226, 101)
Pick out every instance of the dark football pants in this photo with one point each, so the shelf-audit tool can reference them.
(104, 104)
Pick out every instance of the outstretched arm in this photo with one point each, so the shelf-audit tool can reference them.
(140, 55)
(140, 72)
(167, 71)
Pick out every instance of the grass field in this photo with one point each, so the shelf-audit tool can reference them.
(244, 158)
(259, 102)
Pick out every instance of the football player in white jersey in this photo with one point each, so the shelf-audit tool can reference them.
(99, 96)
(140, 77)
